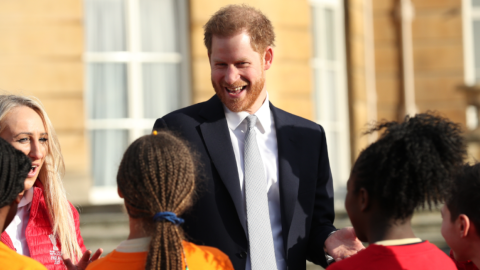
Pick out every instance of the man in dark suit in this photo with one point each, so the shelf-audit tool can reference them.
(291, 153)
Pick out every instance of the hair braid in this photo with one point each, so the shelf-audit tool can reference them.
(157, 174)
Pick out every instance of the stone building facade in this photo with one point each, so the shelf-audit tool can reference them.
(341, 63)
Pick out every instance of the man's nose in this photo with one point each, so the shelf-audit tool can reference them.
(231, 75)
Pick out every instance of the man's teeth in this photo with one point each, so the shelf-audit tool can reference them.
(236, 89)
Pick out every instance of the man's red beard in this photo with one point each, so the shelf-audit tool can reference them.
(240, 104)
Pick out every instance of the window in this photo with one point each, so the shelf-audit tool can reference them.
(471, 34)
(136, 71)
(330, 89)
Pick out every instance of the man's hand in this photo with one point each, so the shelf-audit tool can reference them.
(84, 261)
(343, 244)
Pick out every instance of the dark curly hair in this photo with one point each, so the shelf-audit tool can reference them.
(157, 174)
(14, 168)
(465, 195)
(412, 164)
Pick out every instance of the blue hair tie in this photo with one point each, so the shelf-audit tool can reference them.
(170, 216)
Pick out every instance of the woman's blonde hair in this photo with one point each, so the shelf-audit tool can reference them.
(50, 176)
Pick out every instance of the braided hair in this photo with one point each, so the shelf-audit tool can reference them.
(14, 168)
(412, 164)
(465, 195)
(157, 174)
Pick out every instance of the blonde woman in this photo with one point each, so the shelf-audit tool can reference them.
(46, 226)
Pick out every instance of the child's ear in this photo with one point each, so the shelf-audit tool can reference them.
(463, 225)
(363, 199)
(120, 194)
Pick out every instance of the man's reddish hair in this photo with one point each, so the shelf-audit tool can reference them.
(233, 19)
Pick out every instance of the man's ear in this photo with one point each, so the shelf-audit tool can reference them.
(268, 58)
(363, 199)
(120, 194)
(463, 225)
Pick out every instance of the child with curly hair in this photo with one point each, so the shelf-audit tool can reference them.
(411, 165)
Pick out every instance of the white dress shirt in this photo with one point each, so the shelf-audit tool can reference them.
(266, 136)
(16, 229)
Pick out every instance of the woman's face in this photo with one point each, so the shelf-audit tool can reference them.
(23, 128)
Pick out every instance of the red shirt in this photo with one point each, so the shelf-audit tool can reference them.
(422, 256)
(463, 265)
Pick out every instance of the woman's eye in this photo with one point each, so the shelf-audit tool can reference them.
(23, 140)
(43, 140)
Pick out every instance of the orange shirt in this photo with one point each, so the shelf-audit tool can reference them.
(11, 260)
(198, 258)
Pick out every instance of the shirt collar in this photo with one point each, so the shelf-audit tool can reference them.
(27, 198)
(134, 245)
(234, 119)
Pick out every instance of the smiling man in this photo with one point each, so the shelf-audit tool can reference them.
(265, 195)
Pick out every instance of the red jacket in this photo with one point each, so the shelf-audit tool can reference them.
(39, 233)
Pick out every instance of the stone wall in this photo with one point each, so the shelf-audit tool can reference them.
(40, 51)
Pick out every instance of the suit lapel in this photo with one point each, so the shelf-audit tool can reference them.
(288, 170)
(219, 145)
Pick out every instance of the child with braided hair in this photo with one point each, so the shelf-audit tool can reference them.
(411, 165)
(14, 168)
(156, 178)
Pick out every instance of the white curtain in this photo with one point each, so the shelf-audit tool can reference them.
(161, 81)
(107, 83)
(476, 46)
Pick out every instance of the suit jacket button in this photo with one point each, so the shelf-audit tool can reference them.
(242, 255)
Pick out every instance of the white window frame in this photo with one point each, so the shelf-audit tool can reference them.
(341, 126)
(468, 15)
(133, 57)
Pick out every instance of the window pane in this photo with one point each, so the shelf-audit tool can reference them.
(161, 89)
(159, 28)
(107, 149)
(316, 15)
(329, 92)
(476, 3)
(332, 147)
(105, 25)
(329, 39)
(106, 91)
(476, 46)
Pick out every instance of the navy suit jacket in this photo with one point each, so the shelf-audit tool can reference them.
(306, 191)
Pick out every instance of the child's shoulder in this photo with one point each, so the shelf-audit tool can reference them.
(357, 261)
(12, 260)
(415, 256)
(205, 257)
(120, 260)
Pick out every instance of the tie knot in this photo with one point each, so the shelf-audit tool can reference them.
(251, 121)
